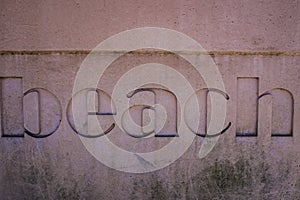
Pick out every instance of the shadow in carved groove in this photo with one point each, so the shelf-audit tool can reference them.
(163, 100)
(247, 106)
(201, 120)
(87, 105)
(282, 111)
(46, 106)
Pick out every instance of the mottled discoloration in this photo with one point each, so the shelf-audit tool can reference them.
(45, 44)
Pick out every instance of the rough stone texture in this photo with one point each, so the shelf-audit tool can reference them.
(216, 25)
(59, 166)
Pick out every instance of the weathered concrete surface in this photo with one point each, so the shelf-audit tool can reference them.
(259, 166)
(238, 167)
(216, 25)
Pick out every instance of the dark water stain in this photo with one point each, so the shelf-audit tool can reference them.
(223, 180)
(151, 188)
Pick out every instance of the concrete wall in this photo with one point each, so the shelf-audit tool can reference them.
(254, 44)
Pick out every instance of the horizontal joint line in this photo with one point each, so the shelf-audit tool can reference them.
(150, 52)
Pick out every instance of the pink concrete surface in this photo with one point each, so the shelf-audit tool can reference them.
(217, 25)
(255, 45)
